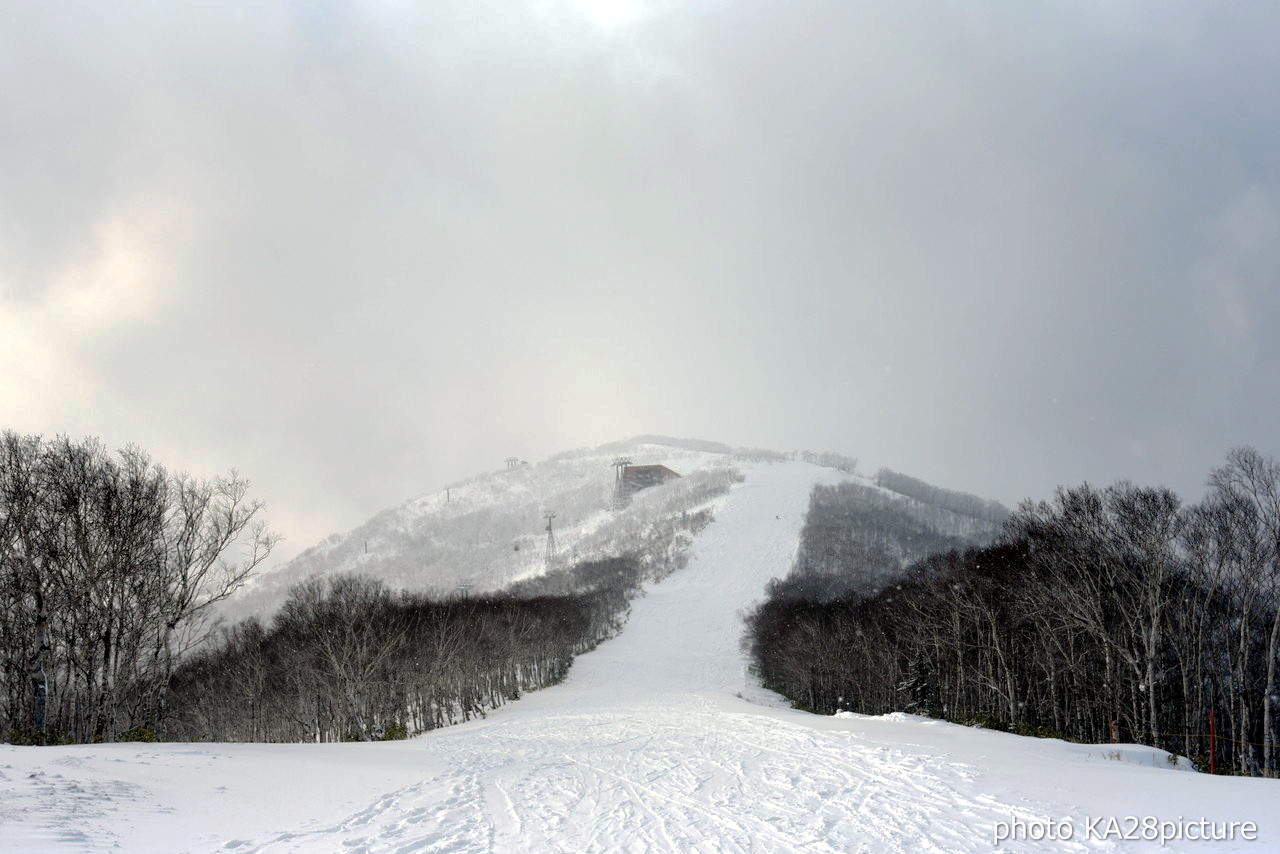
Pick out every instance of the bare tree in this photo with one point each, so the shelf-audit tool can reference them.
(109, 567)
(1249, 477)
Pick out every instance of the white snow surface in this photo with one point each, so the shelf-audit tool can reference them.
(658, 741)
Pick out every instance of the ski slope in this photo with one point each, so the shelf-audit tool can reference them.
(658, 741)
(488, 531)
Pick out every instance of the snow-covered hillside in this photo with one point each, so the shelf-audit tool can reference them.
(489, 530)
(658, 741)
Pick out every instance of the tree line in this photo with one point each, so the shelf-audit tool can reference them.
(1116, 613)
(859, 538)
(346, 658)
(948, 499)
(109, 569)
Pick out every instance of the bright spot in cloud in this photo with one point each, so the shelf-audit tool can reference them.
(120, 282)
(610, 14)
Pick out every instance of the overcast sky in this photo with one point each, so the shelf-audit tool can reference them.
(360, 250)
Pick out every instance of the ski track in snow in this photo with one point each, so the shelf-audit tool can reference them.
(638, 752)
(659, 740)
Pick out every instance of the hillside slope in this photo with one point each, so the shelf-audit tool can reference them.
(490, 530)
(658, 741)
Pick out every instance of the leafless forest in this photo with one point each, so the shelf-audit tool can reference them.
(110, 568)
(345, 658)
(1104, 614)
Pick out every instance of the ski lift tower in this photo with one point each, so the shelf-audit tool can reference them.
(551, 541)
(619, 483)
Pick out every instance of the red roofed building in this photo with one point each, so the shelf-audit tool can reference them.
(642, 477)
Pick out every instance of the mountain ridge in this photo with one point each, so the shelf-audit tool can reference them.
(489, 530)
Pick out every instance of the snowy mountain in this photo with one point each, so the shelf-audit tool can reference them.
(490, 530)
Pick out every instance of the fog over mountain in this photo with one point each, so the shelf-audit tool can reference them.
(361, 251)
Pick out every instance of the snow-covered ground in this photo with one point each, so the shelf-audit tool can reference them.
(658, 741)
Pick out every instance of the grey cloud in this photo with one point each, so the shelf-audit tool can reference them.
(1000, 247)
